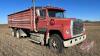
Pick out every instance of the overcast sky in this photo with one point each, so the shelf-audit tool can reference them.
(82, 9)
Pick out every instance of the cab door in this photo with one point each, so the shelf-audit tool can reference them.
(42, 21)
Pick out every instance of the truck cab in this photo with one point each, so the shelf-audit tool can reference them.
(65, 31)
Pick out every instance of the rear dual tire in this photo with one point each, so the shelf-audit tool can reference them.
(18, 34)
(15, 33)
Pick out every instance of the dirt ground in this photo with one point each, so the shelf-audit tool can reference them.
(11, 46)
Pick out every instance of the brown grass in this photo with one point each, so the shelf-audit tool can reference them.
(10, 46)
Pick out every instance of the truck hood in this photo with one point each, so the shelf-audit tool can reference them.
(63, 21)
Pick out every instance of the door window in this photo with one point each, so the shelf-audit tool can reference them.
(43, 13)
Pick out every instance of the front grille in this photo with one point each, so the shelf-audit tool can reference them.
(77, 27)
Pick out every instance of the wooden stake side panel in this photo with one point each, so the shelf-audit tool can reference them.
(21, 19)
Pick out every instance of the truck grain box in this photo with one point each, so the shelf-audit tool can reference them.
(22, 19)
(47, 26)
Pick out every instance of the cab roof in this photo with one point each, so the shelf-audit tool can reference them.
(50, 7)
(55, 8)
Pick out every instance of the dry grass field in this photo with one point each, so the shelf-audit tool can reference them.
(11, 46)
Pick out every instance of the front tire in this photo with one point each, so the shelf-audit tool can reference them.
(56, 43)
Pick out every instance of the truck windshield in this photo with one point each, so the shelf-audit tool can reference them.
(57, 14)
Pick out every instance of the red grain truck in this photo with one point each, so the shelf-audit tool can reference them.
(47, 25)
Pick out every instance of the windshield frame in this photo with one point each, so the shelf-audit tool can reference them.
(62, 12)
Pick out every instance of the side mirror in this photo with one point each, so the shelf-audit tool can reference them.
(38, 12)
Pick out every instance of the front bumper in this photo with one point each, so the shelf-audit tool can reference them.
(74, 41)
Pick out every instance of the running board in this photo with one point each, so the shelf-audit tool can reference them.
(34, 41)
(37, 37)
